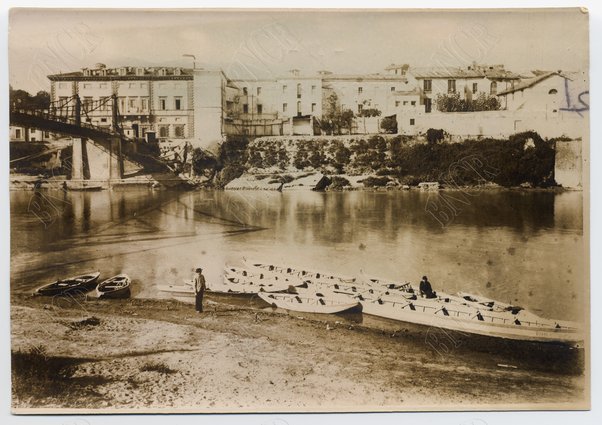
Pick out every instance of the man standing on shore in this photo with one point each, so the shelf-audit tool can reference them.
(199, 289)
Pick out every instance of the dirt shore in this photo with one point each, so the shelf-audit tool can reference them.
(148, 355)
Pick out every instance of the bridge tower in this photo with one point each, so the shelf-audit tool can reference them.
(100, 160)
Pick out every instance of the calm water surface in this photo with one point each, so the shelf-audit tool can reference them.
(524, 247)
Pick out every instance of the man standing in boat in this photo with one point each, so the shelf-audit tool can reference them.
(199, 289)
(426, 289)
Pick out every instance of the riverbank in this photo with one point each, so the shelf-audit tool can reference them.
(147, 355)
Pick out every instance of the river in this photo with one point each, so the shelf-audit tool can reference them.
(526, 247)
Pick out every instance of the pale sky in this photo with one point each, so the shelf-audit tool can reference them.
(263, 44)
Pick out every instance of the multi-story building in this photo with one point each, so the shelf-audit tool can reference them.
(202, 106)
(152, 102)
(468, 82)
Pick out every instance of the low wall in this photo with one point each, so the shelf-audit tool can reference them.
(568, 170)
(499, 124)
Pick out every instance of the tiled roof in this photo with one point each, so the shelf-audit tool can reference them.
(456, 72)
(124, 72)
(531, 82)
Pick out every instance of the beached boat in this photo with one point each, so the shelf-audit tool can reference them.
(114, 287)
(82, 283)
(259, 275)
(249, 286)
(303, 273)
(467, 319)
(310, 304)
(186, 288)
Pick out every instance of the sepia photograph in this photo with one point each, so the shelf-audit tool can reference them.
(270, 210)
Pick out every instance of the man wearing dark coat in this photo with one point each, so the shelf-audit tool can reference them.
(199, 289)
(426, 289)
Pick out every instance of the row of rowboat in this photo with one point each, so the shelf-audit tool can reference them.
(311, 291)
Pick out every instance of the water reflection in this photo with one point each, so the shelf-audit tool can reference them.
(516, 246)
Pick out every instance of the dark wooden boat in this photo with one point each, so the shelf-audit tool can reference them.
(114, 287)
(82, 283)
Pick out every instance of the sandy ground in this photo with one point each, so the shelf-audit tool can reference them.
(241, 356)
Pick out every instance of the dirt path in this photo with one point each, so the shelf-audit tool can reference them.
(151, 354)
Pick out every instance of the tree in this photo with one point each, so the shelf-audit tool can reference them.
(204, 163)
(21, 99)
(434, 136)
(454, 103)
(389, 124)
(334, 119)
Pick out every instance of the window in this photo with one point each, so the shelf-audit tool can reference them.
(553, 91)
(245, 91)
(298, 108)
(284, 107)
(413, 103)
(475, 87)
(451, 86)
(259, 108)
(360, 90)
(132, 85)
(121, 104)
(360, 107)
(102, 86)
(392, 88)
(412, 121)
(298, 91)
(163, 103)
(179, 131)
(284, 88)
(397, 103)
(163, 131)
(313, 89)
(132, 104)
(178, 103)
(493, 89)
(245, 108)
(405, 102)
(87, 103)
(258, 91)
(103, 120)
(313, 107)
(18, 133)
(428, 105)
(47, 134)
(144, 103)
(87, 85)
(428, 85)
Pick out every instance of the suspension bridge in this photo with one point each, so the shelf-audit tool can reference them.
(97, 150)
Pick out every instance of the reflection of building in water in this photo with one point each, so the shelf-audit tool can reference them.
(568, 211)
(568, 168)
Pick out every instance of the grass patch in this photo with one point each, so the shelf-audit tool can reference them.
(157, 367)
(35, 374)
(86, 323)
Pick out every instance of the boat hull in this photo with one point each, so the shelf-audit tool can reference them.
(76, 284)
(508, 330)
(310, 305)
(114, 287)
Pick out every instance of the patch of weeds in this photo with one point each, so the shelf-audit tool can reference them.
(157, 367)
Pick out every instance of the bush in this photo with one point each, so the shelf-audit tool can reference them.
(229, 173)
(389, 124)
(376, 181)
(203, 162)
(337, 182)
(434, 136)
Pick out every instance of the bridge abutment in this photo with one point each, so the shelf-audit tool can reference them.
(96, 162)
